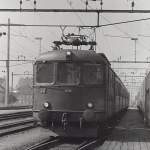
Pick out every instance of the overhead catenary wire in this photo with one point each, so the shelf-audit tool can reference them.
(117, 36)
(109, 22)
(21, 60)
(31, 38)
(20, 44)
(20, 64)
(127, 37)
(64, 25)
(12, 56)
(75, 13)
(108, 44)
(23, 48)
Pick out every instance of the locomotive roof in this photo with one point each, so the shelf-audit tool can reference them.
(77, 55)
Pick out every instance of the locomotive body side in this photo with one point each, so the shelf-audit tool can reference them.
(146, 100)
(121, 96)
(143, 99)
(140, 98)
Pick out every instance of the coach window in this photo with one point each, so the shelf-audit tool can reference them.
(92, 74)
(44, 72)
(68, 73)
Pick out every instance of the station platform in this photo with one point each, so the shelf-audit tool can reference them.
(129, 134)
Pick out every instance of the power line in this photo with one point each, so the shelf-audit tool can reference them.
(23, 48)
(109, 22)
(117, 36)
(67, 25)
(20, 44)
(29, 39)
(13, 60)
(76, 14)
(124, 22)
(118, 28)
(143, 35)
(108, 44)
(129, 76)
(128, 61)
(130, 68)
(20, 64)
(127, 37)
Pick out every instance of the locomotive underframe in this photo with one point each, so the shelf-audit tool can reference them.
(68, 127)
(79, 128)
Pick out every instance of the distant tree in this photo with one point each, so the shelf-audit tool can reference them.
(2, 82)
(24, 85)
(12, 98)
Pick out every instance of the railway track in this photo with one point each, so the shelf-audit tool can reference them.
(59, 143)
(16, 126)
(15, 115)
(45, 144)
(16, 122)
(16, 107)
(87, 144)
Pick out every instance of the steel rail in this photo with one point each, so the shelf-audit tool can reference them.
(46, 144)
(15, 115)
(87, 144)
(43, 144)
(15, 127)
(22, 122)
(16, 107)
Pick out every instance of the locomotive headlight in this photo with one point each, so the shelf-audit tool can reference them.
(68, 53)
(46, 104)
(90, 105)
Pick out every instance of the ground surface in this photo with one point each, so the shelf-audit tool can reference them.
(129, 134)
(22, 140)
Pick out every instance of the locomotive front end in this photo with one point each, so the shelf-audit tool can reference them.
(69, 95)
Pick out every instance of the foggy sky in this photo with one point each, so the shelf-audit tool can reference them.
(23, 38)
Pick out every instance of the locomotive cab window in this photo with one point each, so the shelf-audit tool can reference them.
(92, 74)
(44, 72)
(68, 73)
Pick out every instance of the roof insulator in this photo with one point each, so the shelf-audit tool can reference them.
(132, 4)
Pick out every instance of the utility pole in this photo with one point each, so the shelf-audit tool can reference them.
(12, 82)
(7, 65)
(135, 40)
(40, 40)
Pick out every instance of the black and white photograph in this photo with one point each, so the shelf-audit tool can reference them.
(74, 75)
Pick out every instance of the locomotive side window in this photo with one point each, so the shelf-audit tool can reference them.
(68, 73)
(44, 72)
(92, 74)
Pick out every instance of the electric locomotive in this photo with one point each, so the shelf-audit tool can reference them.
(75, 91)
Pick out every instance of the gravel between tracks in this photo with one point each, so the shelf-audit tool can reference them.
(22, 140)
